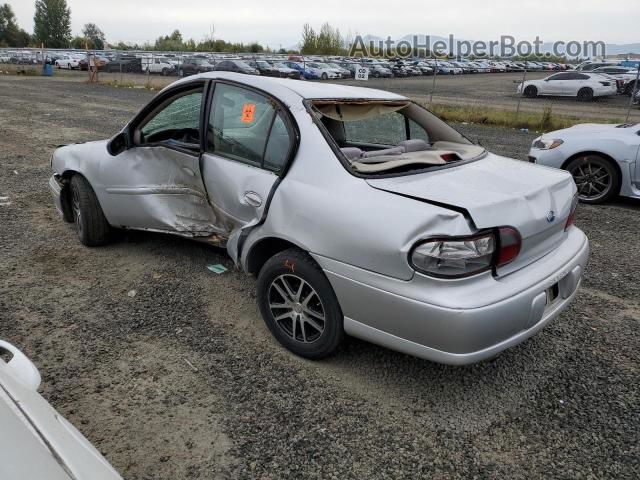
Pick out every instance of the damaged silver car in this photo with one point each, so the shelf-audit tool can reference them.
(360, 212)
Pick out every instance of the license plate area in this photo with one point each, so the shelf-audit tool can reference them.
(553, 294)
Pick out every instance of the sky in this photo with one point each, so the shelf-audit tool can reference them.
(278, 23)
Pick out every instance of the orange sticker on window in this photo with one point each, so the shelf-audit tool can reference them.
(248, 110)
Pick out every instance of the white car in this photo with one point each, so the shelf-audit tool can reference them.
(158, 65)
(69, 62)
(322, 70)
(584, 86)
(36, 442)
(604, 159)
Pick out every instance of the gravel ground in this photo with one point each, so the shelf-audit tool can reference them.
(183, 380)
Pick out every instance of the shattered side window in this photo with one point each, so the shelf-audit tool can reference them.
(181, 116)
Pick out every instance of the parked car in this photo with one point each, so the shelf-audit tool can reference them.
(602, 158)
(584, 86)
(378, 70)
(100, 62)
(125, 64)
(469, 260)
(68, 62)
(37, 442)
(158, 65)
(193, 66)
(285, 71)
(237, 66)
(591, 66)
(344, 72)
(264, 68)
(323, 71)
(304, 70)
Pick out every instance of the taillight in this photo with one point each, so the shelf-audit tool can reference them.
(572, 213)
(510, 243)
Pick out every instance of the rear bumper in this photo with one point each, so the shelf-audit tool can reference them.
(456, 322)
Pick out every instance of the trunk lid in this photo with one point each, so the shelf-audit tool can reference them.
(498, 191)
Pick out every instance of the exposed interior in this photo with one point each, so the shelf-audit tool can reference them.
(392, 136)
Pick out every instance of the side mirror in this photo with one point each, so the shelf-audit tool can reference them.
(118, 144)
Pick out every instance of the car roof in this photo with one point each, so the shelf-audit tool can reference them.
(305, 89)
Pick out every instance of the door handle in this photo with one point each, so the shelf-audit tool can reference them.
(253, 199)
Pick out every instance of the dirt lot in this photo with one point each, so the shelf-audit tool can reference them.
(183, 380)
(486, 90)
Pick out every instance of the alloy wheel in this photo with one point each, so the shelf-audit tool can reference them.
(593, 180)
(296, 308)
(75, 207)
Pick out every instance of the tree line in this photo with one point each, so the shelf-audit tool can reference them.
(52, 28)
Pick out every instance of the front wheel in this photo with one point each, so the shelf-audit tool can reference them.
(597, 179)
(531, 92)
(91, 225)
(324, 76)
(299, 306)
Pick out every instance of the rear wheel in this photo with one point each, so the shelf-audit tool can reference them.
(324, 76)
(531, 91)
(299, 306)
(597, 179)
(585, 94)
(165, 72)
(91, 225)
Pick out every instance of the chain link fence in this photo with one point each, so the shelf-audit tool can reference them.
(527, 94)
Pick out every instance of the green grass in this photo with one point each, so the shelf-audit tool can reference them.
(149, 85)
(544, 121)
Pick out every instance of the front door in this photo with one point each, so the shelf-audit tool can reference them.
(156, 184)
(248, 145)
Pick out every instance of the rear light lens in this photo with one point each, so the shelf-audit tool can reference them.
(454, 257)
(457, 257)
(572, 213)
(509, 245)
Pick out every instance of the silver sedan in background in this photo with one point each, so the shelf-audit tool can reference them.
(360, 212)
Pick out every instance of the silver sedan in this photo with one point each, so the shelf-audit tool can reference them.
(360, 212)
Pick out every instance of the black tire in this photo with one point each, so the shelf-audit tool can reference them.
(531, 92)
(90, 223)
(324, 76)
(585, 94)
(165, 72)
(593, 173)
(180, 72)
(628, 89)
(376, 74)
(297, 332)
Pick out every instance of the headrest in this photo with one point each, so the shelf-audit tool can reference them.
(414, 145)
(386, 151)
(351, 152)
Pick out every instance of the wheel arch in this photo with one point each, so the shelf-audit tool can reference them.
(607, 157)
(265, 248)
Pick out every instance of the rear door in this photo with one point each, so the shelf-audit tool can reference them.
(249, 141)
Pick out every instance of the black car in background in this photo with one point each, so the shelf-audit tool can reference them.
(237, 66)
(124, 64)
(264, 67)
(192, 66)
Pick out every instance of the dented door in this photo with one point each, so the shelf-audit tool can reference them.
(156, 184)
(157, 188)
